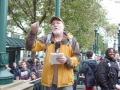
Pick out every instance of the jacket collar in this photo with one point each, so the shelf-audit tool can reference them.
(66, 37)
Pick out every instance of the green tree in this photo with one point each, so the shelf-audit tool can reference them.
(79, 17)
(111, 30)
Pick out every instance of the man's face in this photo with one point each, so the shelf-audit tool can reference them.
(37, 63)
(57, 27)
(23, 65)
(14, 65)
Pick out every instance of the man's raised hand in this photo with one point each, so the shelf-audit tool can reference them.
(35, 27)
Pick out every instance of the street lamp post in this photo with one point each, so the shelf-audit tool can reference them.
(114, 46)
(119, 38)
(95, 41)
(96, 38)
(57, 8)
(103, 47)
(5, 76)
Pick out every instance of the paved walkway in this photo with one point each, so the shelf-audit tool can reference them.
(82, 87)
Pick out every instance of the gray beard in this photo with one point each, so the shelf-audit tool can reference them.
(56, 32)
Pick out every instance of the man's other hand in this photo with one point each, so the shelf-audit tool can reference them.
(61, 59)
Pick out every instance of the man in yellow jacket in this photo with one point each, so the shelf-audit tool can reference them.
(56, 76)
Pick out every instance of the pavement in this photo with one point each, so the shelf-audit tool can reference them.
(82, 87)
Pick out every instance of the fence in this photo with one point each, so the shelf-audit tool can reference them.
(37, 84)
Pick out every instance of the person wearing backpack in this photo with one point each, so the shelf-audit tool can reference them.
(107, 73)
(89, 67)
(57, 76)
(76, 76)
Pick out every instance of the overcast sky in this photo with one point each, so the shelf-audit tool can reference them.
(113, 8)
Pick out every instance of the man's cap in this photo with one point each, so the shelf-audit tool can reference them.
(51, 20)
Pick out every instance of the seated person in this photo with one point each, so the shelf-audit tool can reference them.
(7, 67)
(24, 73)
(33, 76)
(14, 70)
(36, 68)
(117, 87)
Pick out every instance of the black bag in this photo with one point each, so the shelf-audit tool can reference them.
(96, 84)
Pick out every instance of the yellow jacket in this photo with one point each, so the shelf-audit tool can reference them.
(65, 71)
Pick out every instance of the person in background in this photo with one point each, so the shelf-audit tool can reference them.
(76, 77)
(56, 76)
(117, 60)
(28, 65)
(24, 73)
(81, 79)
(14, 70)
(99, 58)
(36, 68)
(107, 73)
(7, 67)
(36, 56)
(33, 76)
(42, 64)
(89, 67)
(117, 87)
(34, 60)
(19, 64)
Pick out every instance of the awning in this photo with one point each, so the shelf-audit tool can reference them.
(15, 42)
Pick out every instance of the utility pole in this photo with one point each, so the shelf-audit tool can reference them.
(103, 47)
(5, 76)
(114, 46)
(95, 41)
(57, 8)
(96, 38)
(119, 38)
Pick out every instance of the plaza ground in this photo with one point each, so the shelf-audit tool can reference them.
(82, 87)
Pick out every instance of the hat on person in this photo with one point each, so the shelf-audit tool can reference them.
(32, 73)
(38, 61)
(51, 20)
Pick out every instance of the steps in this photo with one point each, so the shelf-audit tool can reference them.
(17, 85)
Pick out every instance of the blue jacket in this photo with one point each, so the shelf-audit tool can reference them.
(88, 68)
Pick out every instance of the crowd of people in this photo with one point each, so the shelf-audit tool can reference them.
(26, 70)
(101, 71)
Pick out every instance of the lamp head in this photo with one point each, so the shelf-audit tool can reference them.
(119, 26)
(96, 27)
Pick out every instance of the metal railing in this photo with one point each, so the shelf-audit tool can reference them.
(37, 84)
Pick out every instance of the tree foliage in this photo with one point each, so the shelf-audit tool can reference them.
(79, 17)
(111, 30)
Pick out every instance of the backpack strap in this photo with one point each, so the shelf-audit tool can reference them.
(70, 41)
(49, 41)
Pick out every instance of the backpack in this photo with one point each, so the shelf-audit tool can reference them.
(93, 73)
(110, 74)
